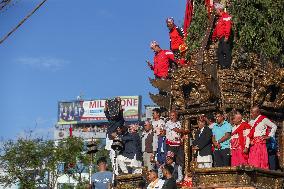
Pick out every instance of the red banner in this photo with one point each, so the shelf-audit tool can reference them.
(188, 15)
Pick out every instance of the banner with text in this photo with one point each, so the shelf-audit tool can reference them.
(92, 111)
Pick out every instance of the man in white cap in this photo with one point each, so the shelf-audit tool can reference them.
(176, 37)
(163, 60)
(222, 33)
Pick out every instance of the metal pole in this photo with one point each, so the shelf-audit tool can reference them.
(187, 150)
(90, 167)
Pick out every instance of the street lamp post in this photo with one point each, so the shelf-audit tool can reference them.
(92, 150)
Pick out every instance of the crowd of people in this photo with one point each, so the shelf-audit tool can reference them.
(218, 141)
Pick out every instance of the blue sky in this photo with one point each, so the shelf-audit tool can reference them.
(93, 47)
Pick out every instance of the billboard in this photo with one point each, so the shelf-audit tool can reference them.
(149, 111)
(92, 111)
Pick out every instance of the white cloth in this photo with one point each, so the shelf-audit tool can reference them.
(204, 161)
(114, 164)
(171, 135)
(201, 130)
(156, 184)
(125, 162)
(113, 161)
(157, 126)
(260, 129)
(108, 143)
(147, 160)
(180, 175)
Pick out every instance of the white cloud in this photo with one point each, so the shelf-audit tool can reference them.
(44, 133)
(43, 63)
(43, 128)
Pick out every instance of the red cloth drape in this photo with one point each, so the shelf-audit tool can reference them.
(209, 6)
(188, 15)
(244, 125)
(241, 139)
(251, 133)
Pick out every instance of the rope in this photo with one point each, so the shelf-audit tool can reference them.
(29, 15)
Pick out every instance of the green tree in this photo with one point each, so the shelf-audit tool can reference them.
(21, 162)
(259, 27)
(197, 28)
(68, 151)
(34, 162)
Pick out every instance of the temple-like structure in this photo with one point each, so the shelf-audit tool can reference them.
(203, 88)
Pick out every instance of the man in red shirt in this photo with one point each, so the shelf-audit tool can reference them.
(163, 60)
(176, 37)
(222, 33)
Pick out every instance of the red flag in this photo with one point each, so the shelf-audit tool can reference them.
(188, 15)
(209, 6)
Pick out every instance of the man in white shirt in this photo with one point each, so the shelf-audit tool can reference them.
(158, 125)
(157, 122)
(173, 137)
(155, 182)
(261, 129)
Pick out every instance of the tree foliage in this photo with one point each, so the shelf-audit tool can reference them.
(21, 162)
(34, 162)
(197, 27)
(259, 26)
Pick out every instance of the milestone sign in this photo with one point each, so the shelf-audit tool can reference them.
(92, 111)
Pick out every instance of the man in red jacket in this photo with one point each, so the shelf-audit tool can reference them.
(176, 37)
(163, 60)
(222, 33)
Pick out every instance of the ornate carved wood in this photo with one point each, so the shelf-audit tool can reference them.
(238, 177)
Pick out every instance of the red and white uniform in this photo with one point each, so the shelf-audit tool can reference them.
(161, 63)
(258, 156)
(173, 138)
(223, 27)
(238, 140)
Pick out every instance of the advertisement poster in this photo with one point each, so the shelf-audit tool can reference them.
(92, 111)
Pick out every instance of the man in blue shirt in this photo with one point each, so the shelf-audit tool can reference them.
(221, 141)
(103, 178)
